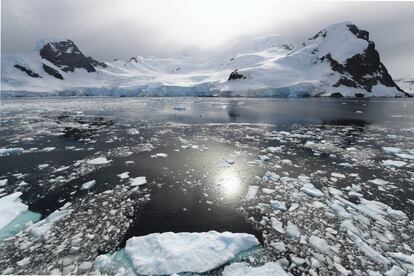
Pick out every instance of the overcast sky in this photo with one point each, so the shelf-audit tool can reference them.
(107, 29)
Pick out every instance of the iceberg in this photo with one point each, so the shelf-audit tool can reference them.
(169, 252)
(10, 208)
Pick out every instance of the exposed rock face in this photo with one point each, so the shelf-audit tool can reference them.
(66, 55)
(236, 75)
(361, 70)
(52, 71)
(27, 71)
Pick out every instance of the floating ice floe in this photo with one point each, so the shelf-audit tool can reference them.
(10, 151)
(124, 175)
(88, 185)
(163, 155)
(393, 163)
(10, 208)
(405, 156)
(277, 225)
(43, 226)
(99, 161)
(391, 149)
(48, 149)
(276, 204)
(168, 253)
(379, 182)
(268, 269)
(338, 175)
(138, 181)
(251, 192)
(270, 176)
(310, 190)
(3, 182)
(292, 230)
(133, 131)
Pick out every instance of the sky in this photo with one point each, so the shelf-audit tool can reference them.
(107, 29)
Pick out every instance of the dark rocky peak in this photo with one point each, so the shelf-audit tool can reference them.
(363, 69)
(133, 59)
(66, 56)
(27, 71)
(235, 75)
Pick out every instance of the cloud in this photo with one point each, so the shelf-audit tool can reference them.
(106, 29)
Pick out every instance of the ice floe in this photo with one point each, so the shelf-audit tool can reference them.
(99, 161)
(43, 226)
(88, 185)
(168, 253)
(10, 151)
(268, 269)
(138, 181)
(10, 208)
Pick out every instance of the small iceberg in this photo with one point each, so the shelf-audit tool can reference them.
(198, 252)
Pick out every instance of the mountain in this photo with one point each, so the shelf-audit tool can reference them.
(338, 61)
(406, 83)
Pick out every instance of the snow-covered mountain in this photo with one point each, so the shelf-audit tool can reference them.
(406, 83)
(338, 61)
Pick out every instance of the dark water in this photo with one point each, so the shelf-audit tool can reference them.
(190, 190)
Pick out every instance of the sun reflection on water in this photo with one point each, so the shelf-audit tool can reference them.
(230, 184)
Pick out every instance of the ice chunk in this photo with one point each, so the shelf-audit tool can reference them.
(251, 192)
(292, 230)
(268, 269)
(138, 181)
(391, 149)
(379, 182)
(99, 161)
(270, 176)
(338, 175)
(277, 225)
(10, 208)
(163, 155)
(409, 259)
(268, 191)
(367, 250)
(10, 151)
(395, 271)
(3, 182)
(133, 131)
(88, 185)
(393, 163)
(280, 205)
(124, 175)
(319, 244)
(168, 253)
(279, 246)
(19, 223)
(310, 190)
(48, 149)
(405, 156)
(43, 226)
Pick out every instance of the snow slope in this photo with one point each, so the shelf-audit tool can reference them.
(339, 60)
(406, 83)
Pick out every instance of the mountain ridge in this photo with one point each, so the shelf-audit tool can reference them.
(339, 61)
